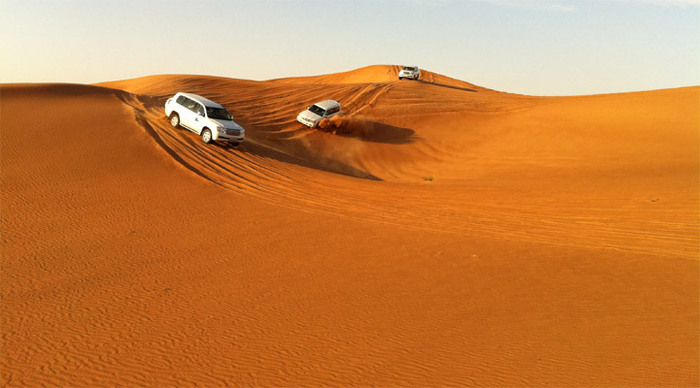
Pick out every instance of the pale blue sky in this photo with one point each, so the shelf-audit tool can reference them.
(539, 47)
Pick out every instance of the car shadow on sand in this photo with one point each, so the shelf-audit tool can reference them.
(369, 130)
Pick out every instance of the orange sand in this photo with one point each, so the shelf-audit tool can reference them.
(447, 235)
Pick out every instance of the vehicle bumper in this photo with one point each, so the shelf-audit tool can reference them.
(309, 124)
(229, 138)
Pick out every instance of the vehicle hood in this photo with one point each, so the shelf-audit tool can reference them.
(309, 115)
(228, 124)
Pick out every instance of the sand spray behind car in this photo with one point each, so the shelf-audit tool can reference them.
(355, 125)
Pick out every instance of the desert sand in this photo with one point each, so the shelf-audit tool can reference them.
(438, 233)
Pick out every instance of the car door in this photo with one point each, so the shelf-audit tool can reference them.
(199, 118)
(182, 110)
(188, 116)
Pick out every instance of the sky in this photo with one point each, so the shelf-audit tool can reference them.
(535, 47)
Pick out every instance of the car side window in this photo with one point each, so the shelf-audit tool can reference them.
(191, 105)
(181, 100)
(199, 109)
(332, 110)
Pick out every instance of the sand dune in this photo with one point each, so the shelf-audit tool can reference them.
(437, 233)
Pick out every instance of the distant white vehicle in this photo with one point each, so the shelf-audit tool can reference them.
(204, 117)
(410, 72)
(319, 111)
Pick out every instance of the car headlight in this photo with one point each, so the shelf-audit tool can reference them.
(221, 130)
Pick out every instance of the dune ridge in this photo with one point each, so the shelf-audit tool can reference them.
(455, 236)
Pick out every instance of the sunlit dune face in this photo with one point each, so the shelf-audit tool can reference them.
(436, 233)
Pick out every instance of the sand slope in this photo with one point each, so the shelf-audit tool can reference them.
(450, 235)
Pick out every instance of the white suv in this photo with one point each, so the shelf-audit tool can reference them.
(203, 117)
(410, 72)
(319, 111)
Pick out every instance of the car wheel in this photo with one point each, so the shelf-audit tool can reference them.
(206, 136)
(174, 120)
(400, 78)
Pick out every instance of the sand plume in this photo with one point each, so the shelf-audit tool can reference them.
(357, 126)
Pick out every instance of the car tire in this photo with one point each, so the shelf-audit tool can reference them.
(206, 136)
(174, 119)
(400, 78)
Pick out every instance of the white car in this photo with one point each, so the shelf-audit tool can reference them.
(203, 117)
(410, 72)
(319, 111)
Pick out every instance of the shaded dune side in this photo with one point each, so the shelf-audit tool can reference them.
(282, 159)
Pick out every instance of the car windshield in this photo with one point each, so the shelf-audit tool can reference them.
(408, 68)
(218, 113)
(317, 109)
